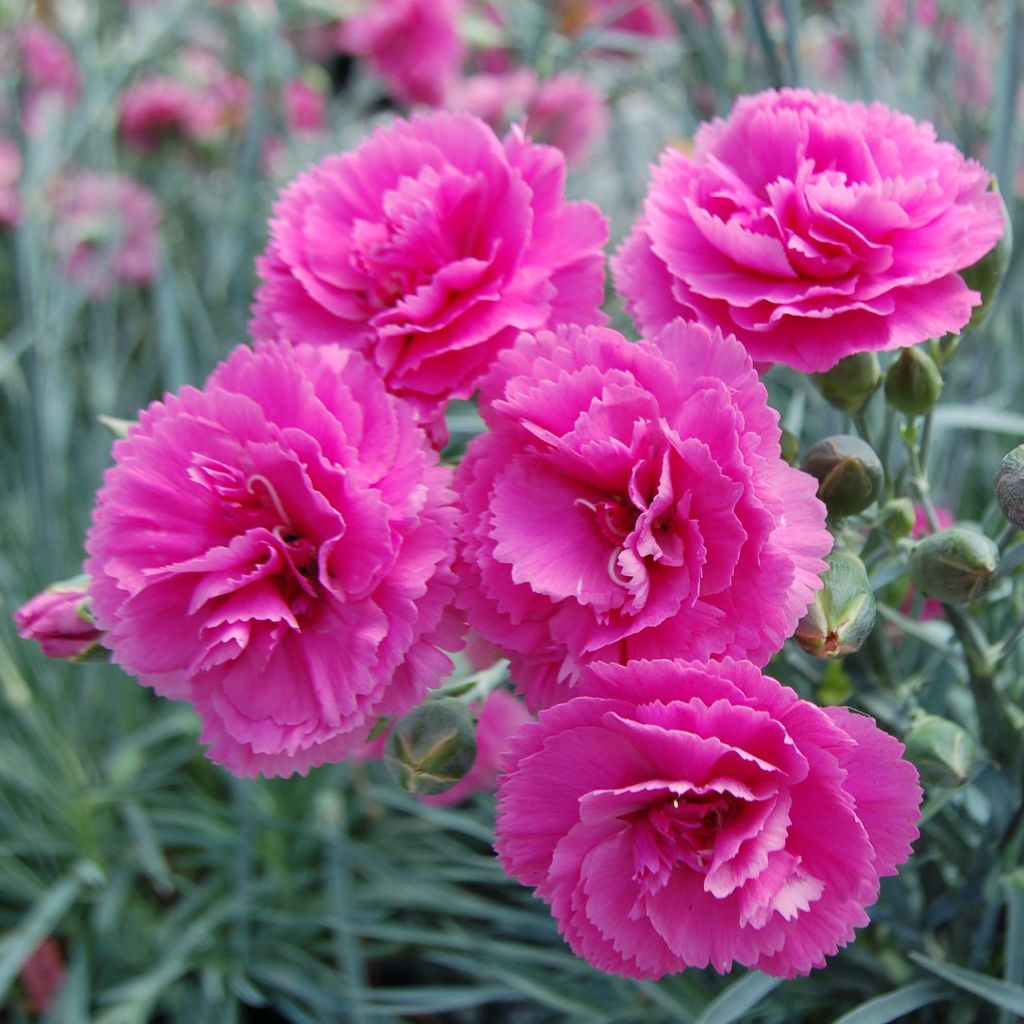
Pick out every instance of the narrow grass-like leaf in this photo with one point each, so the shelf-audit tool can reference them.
(896, 1004)
(1013, 971)
(739, 998)
(992, 990)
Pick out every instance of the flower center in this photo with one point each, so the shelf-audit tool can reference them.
(688, 825)
(612, 518)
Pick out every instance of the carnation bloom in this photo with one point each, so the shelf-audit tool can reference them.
(48, 71)
(500, 718)
(680, 814)
(430, 247)
(630, 501)
(564, 111)
(414, 45)
(154, 110)
(105, 230)
(811, 228)
(640, 17)
(304, 107)
(275, 549)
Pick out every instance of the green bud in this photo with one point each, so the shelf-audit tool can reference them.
(1009, 483)
(953, 566)
(848, 472)
(913, 383)
(851, 382)
(432, 747)
(897, 518)
(987, 274)
(790, 446)
(843, 612)
(943, 752)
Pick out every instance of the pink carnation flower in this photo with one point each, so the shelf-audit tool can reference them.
(640, 17)
(275, 549)
(48, 71)
(430, 248)
(501, 718)
(811, 228)
(564, 111)
(304, 107)
(105, 230)
(414, 45)
(683, 815)
(156, 110)
(631, 502)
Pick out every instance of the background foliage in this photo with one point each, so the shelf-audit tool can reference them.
(178, 893)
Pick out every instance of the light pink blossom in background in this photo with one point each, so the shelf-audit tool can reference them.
(642, 17)
(48, 71)
(275, 548)
(811, 228)
(54, 619)
(304, 107)
(630, 501)
(105, 230)
(564, 111)
(430, 247)
(500, 719)
(413, 45)
(683, 815)
(157, 110)
(10, 175)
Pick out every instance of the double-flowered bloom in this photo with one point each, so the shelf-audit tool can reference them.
(275, 548)
(630, 501)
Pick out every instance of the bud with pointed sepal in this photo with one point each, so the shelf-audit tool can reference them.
(945, 754)
(430, 749)
(851, 382)
(953, 566)
(849, 473)
(987, 274)
(843, 612)
(913, 383)
(1009, 484)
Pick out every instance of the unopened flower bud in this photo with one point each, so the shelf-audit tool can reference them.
(897, 518)
(913, 383)
(59, 620)
(843, 612)
(943, 752)
(851, 382)
(1009, 484)
(848, 472)
(790, 446)
(953, 566)
(987, 274)
(431, 748)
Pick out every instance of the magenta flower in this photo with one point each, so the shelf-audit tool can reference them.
(811, 228)
(304, 107)
(275, 549)
(500, 719)
(49, 74)
(105, 230)
(683, 815)
(59, 621)
(413, 45)
(430, 248)
(156, 110)
(630, 502)
(640, 17)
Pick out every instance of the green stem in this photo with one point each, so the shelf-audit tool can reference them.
(1005, 538)
(980, 656)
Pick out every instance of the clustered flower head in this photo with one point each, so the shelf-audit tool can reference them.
(275, 548)
(704, 815)
(284, 549)
(630, 501)
(430, 248)
(811, 228)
